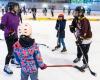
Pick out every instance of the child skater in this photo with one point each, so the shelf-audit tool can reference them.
(27, 54)
(60, 27)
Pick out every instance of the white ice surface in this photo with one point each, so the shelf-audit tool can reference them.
(44, 32)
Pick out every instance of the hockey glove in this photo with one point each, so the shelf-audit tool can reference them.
(44, 67)
(72, 28)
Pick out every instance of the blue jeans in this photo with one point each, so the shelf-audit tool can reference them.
(61, 41)
(33, 76)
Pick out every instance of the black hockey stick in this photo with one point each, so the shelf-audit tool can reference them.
(74, 66)
(93, 73)
(37, 44)
(43, 45)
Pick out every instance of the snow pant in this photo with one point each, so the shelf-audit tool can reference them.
(33, 76)
(10, 41)
(85, 49)
(61, 41)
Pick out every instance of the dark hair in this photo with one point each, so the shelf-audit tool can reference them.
(11, 5)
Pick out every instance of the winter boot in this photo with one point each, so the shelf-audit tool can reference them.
(8, 70)
(76, 60)
(64, 50)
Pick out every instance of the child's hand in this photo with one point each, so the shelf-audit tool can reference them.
(44, 67)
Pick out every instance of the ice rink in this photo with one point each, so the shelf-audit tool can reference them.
(44, 33)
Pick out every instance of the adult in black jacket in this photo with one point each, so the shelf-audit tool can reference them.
(60, 27)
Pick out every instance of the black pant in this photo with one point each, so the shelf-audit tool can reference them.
(85, 49)
(10, 41)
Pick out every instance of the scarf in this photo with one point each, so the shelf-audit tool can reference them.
(26, 41)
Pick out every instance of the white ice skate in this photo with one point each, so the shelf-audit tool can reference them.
(8, 70)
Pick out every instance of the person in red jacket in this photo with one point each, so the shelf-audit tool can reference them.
(82, 29)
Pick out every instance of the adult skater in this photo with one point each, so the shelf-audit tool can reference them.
(45, 11)
(3, 9)
(27, 54)
(20, 15)
(82, 29)
(34, 11)
(60, 27)
(24, 10)
(9, 24)
(64, 9)
(52, 11)
(89, 11)
(69, 11)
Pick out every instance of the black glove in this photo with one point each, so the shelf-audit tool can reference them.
(79, 41)
(2, 27)
(72, 28)
(12, 36)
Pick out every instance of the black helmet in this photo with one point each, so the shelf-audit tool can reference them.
(80, 9)
(11, 5)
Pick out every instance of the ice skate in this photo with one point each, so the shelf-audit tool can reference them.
(8, 70)
(76, 60)
(84, 66)
(64, 50)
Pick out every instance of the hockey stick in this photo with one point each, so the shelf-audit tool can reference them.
(37, 43)
(74, 66)
(43, 45)
(93, 73)
(2, 39)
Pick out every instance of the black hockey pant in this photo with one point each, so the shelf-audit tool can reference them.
(85, 49)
